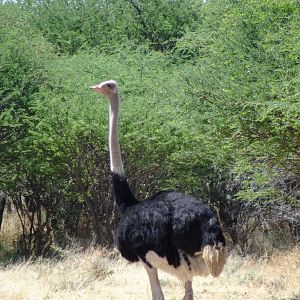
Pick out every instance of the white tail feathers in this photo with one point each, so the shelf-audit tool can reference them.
(215, 258)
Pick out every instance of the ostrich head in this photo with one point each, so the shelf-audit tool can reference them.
(107, 88)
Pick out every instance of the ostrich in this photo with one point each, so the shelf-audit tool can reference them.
(169, 231)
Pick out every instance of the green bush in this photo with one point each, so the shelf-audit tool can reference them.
(209, 106)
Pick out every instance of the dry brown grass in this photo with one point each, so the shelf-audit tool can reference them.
(11, 227)
(99, 274)
(9, 234)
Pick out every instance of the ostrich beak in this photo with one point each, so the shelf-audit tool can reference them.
(94, 88)
(98, 88)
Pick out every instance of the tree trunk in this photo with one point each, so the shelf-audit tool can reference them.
(2, 206)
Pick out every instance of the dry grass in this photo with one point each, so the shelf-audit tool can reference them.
(9, 234)
(98, 274)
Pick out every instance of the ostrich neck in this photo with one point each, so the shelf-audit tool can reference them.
(116, 165)
(123, 194)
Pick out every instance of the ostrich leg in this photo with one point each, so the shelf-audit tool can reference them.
(157, 293)
(188, 291)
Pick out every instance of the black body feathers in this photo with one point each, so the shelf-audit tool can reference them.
(165, 223)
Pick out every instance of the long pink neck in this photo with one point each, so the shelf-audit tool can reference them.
(116, 165)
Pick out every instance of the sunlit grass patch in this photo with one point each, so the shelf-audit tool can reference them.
(102, 274)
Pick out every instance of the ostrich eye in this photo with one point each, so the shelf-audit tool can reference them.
(109, 86)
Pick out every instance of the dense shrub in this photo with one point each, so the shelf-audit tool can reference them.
(209, 106)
